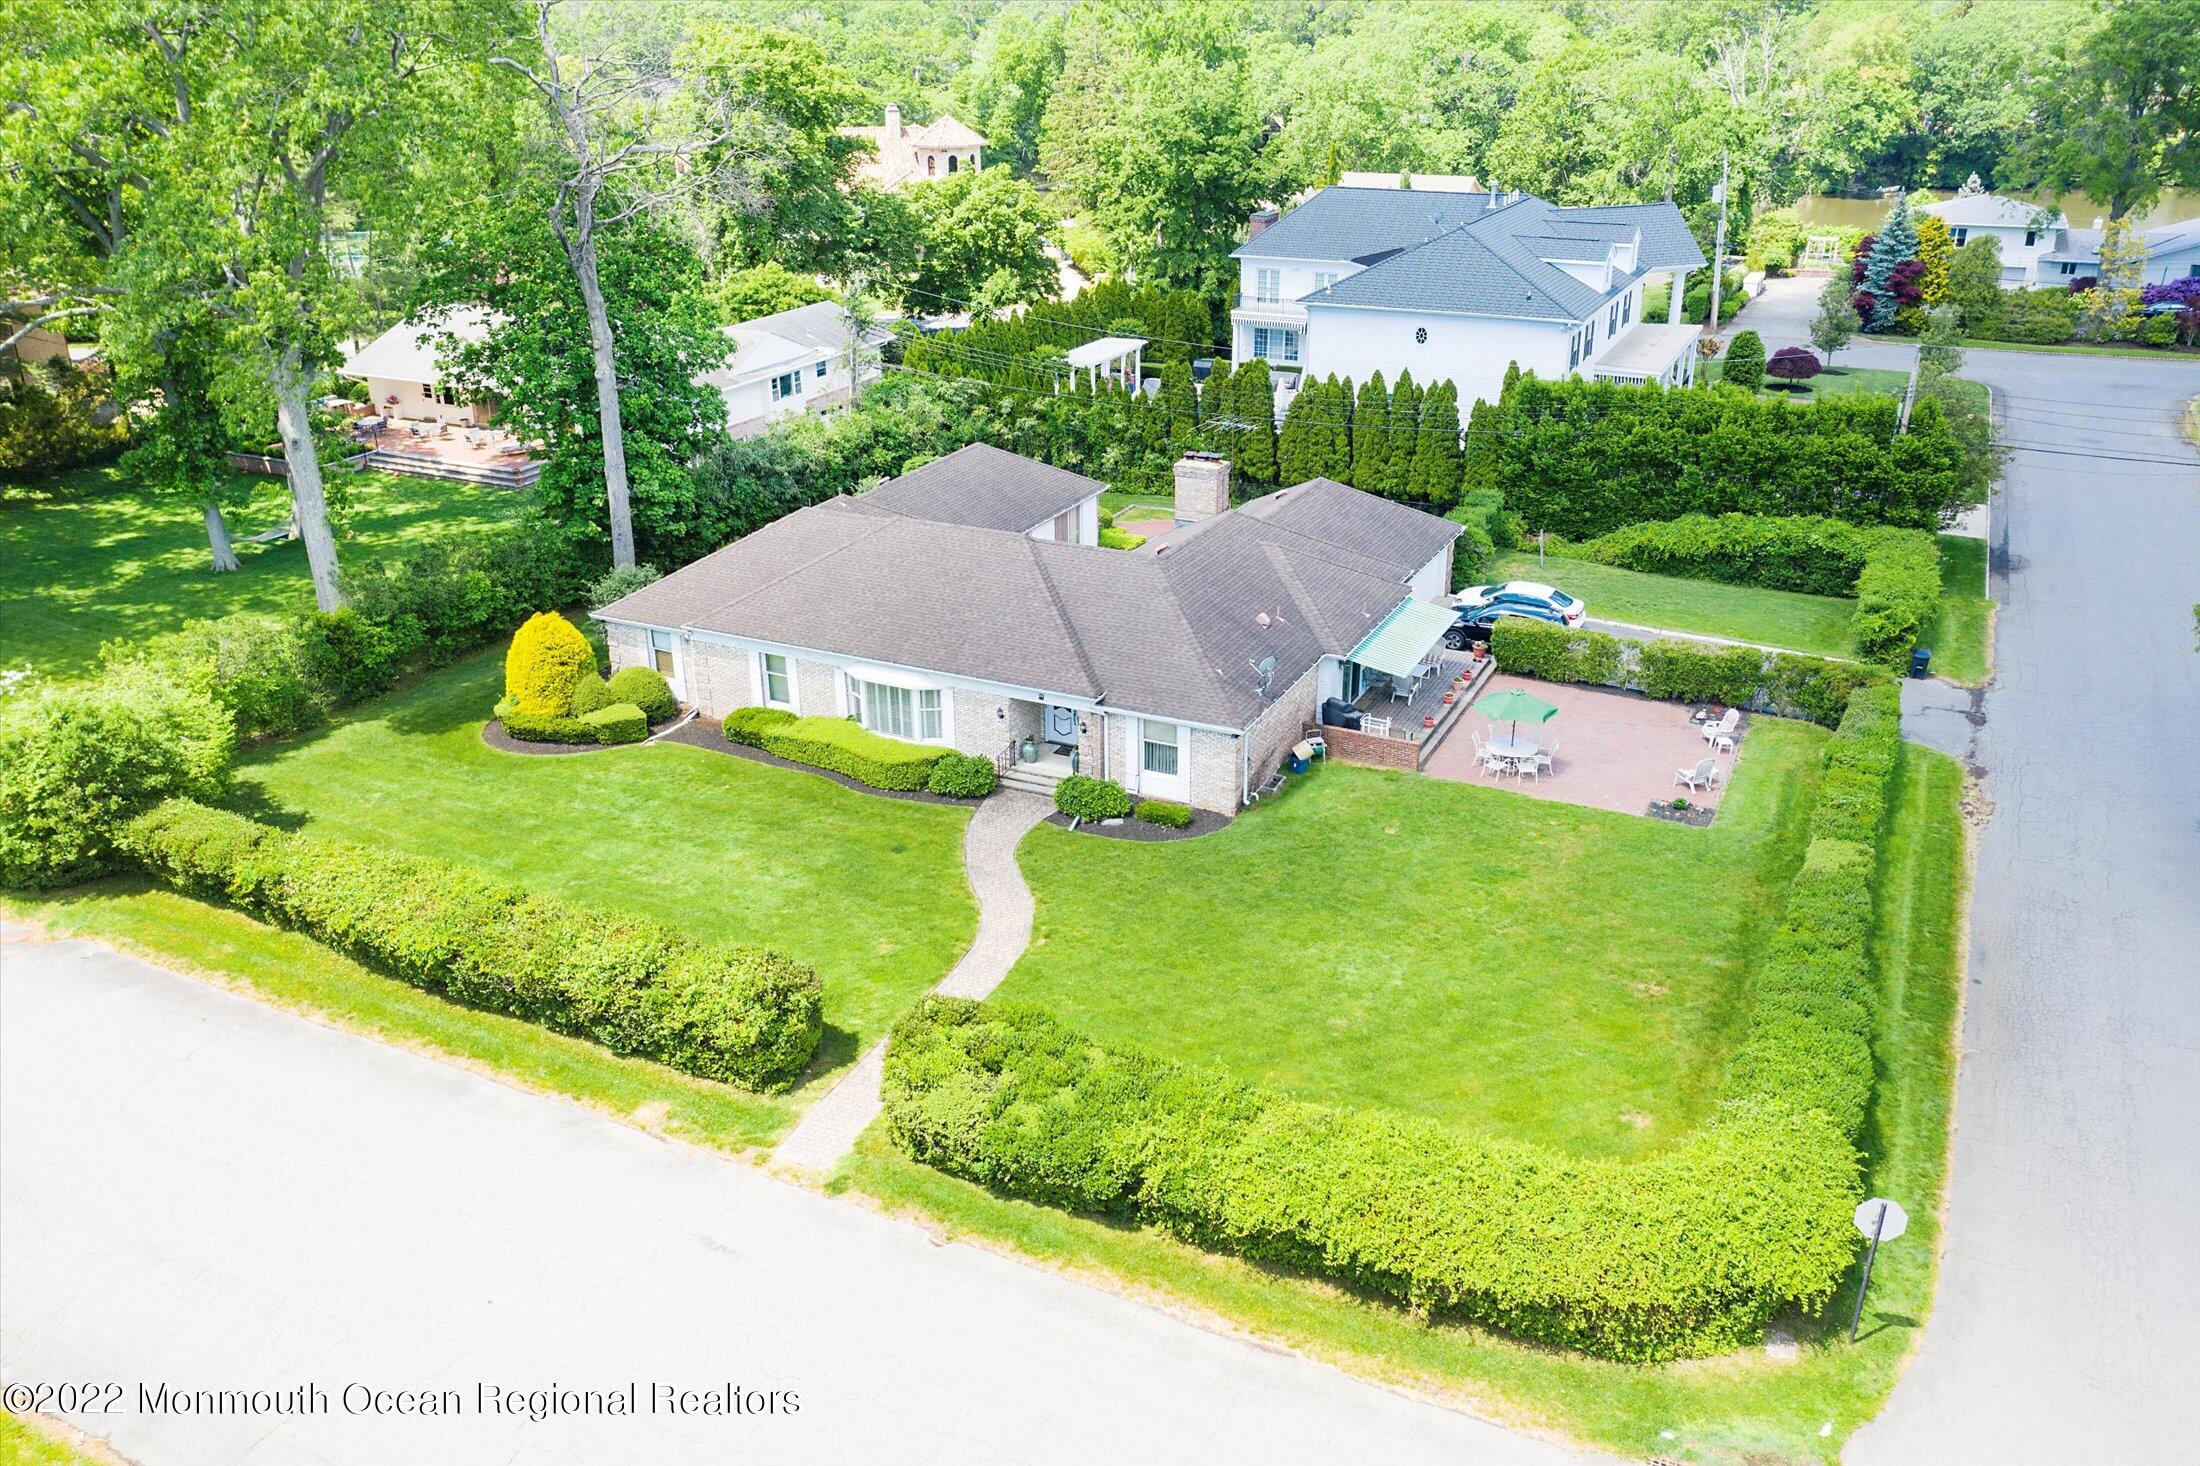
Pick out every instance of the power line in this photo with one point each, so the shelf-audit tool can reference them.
(2184, 463)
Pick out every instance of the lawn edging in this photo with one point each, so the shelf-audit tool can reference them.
(1688, 1253)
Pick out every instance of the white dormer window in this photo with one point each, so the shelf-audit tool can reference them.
(1267, 286)
(1323, 279)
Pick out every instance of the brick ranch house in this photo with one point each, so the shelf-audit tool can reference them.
(968, 604)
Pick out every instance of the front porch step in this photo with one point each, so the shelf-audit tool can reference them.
(1032, 778)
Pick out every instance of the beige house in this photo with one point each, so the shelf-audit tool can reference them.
(403, 377)
(902, 155)
(967, 604)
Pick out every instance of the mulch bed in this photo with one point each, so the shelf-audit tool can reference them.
(1204, 822)
(705, 733)
(493, 734)
(1695, 814)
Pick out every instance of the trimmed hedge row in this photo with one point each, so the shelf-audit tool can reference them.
(644, 687)
(1894, 574)
(838, 744)
(1790, 685)
(1897, 596)
(1163, 812)
(1807, 553)
(1690, 1252)
(620, 722)
(742, 1015)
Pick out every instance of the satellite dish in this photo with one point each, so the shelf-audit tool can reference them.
(1266, 668)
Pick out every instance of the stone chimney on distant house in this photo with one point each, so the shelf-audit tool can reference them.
(893, 120)
(1202, 486)
(1261, 219)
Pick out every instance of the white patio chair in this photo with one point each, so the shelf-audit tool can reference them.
(1724, 727)
(1702, 776)
(1544, 757)
(1529, 766)
(1380, 727)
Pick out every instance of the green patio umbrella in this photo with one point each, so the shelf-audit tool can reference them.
(1515, 707)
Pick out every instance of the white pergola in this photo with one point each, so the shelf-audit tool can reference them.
(1116, 358)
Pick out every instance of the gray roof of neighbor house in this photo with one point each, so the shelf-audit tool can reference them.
(1180, 633)
(1992, 210)
(986, 488)
(823, 325)
(1492, 257)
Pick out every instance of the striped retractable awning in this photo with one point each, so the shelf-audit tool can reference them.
(1405, 637)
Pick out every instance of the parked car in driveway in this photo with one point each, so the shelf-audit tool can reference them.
(1482, 606)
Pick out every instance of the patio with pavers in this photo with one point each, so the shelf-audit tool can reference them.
(1612, 750)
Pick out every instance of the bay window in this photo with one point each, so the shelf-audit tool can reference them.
(897, 712)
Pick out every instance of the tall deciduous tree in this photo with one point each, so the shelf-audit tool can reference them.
(2120, 120)
(249, 120)
(973, 226)
(633, 136)
(1153, 134)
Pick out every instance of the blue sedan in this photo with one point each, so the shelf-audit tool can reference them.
(1482, 606)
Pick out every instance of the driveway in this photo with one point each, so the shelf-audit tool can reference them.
(1782, 314)
(208, 1194)
(2068, 1319)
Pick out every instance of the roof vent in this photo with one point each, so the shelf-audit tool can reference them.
(1262, 620)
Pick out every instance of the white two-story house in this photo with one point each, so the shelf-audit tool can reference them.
(1457, 286)
(795, 361)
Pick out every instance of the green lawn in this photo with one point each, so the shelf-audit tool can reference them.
(1962, 639)
(92, 561)
(28, 1443)
(1815, 624)
(1744, 1410)
(1548, 972)
(868, 890)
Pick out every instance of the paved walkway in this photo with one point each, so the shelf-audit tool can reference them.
(207, 1193)
(829, 1130)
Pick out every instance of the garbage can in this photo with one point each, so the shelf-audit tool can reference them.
(1921, 661)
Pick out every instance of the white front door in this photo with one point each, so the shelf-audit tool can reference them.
(1059, 724)
(664, 655)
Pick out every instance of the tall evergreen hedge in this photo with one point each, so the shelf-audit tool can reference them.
(1581, 458)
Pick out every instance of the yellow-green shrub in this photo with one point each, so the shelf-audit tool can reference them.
(548, 659)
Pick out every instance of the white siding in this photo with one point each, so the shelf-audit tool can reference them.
(1469, 351)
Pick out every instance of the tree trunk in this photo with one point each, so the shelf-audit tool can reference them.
(307, 501)
(217, 535)
(607, 390)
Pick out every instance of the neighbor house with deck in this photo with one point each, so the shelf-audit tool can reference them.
(1457, 286)
(967, 604)
(2039, 246)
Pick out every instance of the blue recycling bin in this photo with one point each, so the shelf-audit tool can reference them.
(1921, 661)
(1298, 765)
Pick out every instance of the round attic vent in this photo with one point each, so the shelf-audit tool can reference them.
(1420, 335)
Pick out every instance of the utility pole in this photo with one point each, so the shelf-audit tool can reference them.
(1718, 251)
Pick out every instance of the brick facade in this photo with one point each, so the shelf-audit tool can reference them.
(1369, 748)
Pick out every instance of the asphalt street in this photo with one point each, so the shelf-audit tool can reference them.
(2068, 1320)
(204, 1193)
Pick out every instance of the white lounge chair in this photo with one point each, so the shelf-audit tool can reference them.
(1705, 775)
(1724, 727)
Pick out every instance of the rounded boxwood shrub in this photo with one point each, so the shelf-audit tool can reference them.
(962, 776)
(591, 693)
(547, 661)
(748, 726)
(646, 688)
(622, 722)
(1165, 813)
(79, 759)
(1081, 796)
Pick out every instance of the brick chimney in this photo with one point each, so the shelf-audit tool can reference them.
(893, 120)
(1202, 486)
(1261, 219)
